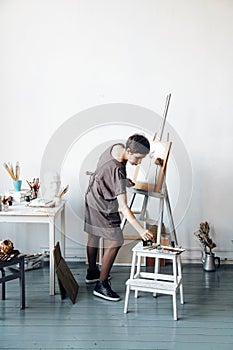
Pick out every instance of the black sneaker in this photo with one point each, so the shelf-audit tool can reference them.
(104, 290)
(92, 275)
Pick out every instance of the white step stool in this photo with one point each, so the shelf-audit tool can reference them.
(155, 282)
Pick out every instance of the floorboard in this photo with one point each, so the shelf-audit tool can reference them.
(205, 321)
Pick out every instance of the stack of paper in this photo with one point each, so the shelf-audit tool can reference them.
(42, 203)
(19, 196)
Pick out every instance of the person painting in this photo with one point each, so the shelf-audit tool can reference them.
(104, 199)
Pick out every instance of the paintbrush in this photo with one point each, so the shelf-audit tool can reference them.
(17, 171)
(10, 171)
(63, 192)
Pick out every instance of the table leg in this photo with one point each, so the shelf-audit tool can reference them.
(180, 276)
(51, 258)
(101, 250)
(174, 263)
(132, 272)
(138, 271)
(63, 231)
(22, 283)
(174, 306)
(3, 285)
(126, 299)
(156, 271)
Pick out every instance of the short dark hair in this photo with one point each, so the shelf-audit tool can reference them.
(138, 144)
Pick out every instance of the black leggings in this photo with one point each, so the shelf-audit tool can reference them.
(109, 256)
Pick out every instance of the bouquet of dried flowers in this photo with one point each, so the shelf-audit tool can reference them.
(204, 238)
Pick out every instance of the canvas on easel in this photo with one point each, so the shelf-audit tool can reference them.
(67, 283)
(149, 175)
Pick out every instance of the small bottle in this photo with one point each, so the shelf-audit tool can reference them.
(5, 207)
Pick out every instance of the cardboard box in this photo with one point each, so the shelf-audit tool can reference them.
(35, 261)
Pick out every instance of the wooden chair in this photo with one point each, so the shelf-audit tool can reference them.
(14, 273)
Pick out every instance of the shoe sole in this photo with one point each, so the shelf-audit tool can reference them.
(92, 281)
(95, 280)
(105, 297)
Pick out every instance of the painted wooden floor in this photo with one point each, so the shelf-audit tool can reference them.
(205, 320)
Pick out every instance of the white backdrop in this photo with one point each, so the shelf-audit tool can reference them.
(59, 58)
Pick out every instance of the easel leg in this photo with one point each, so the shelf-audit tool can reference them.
(144, 206)
(130, 206)
(160, 220)
(170, 217)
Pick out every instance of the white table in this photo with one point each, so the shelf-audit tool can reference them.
(20, 213)
(155, 282)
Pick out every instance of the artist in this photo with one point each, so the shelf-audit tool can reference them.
(105, 197)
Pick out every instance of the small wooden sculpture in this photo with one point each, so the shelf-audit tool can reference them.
(6, 246)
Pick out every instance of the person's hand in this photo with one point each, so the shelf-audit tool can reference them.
(147, 235)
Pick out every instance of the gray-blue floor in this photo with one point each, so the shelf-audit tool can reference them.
(205, 320)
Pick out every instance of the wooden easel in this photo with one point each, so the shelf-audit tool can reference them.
(155, 187)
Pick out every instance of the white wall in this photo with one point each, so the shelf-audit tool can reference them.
(59, 58)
